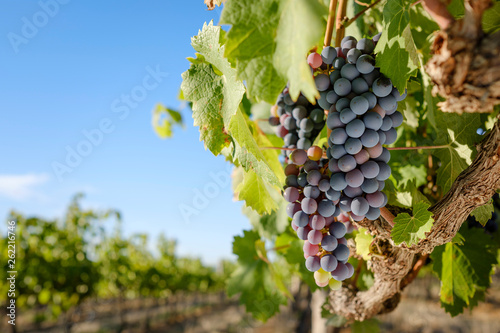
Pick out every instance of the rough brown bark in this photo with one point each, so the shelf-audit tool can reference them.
(391, 264)
(465, 67)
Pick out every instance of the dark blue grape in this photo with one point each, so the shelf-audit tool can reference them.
(328, 54)
(342, 87)
(346, 116)
(347, 163)
(359, 105)
(329, 243)
(313, 263)
(366, 45)
(326, 208)
(322, 82)
(353, 146)
(342, 103)
(337, 181)
(370, 138)
(397, 119)
(382, 87)
(349, 72)
(353, 55)
(355, 128)
(388, 103)
(333, 120)
(359, 86)
(338, 63)
(391, 136)
(360, 206)
(370, 185)
(365, 64)
(337, 151)
(332, 97)
(300, 219)
(328, 263)
(338, 136)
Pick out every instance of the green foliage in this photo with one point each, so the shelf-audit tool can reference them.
(238, 74)
(301, 27)
(164, 119)
(483, 213)
(464, 267)
(255, 279)
(60, 263)
(411, 229)
(396, 51)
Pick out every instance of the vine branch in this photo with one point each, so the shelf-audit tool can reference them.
(399, 264)
(340, 29)
(355, 17)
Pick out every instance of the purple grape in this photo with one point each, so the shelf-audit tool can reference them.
(292, 208)
(328, 54)
(313, 177)
(347, 163)
(360, 206)
(337, 181)
(349, 72)
(342, 87)
(355, 128)
(375, 200)
(309, 205)
(342, 251)
(353, 146)
(370, 169)
(359, 86)
(324, 185)
(326, 208)
(298, 157)
(341, 272)
(317, 222)
(338, 136)
(346, 116)
(373, 213)
(353, 55)
(300, 219)
(329, 242)
(291, 194)
(388, 103)
(397, 119)
(333, 121)
(385, 171)
(370, 138)
(354, 178)
(338, 229)
(365, 64)
(359, 105)
(332, 194)
(314, 237)
(370, 185)
(353, 192)
(311, 192)
(390, 136)
(337, 151)
(313, 263)
(328, 263)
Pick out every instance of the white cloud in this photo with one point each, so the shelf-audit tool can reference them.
(22, 187)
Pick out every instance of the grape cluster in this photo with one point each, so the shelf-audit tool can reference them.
(298, 123)
(312, 207)
(325, 194)
(362, 115)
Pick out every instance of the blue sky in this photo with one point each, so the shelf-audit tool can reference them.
(94, 66)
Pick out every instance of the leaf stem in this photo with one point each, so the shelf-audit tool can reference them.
(330, 23)
(387, 215)
(415, 148)
(351, 20)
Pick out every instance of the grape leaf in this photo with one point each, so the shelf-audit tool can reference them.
(255, 194)
(491, 18)
(251, 43)
(216, 100)
(366, 326)
(411, 229)
(483, 213)
(300, 28)
(396, 51)
(294, 256)
(458, 134)
(254, 278)
(203, 87)
(248, 153)
(363, 240)
(464, 268)
(163, 119)
(207, 44)
(269, 225)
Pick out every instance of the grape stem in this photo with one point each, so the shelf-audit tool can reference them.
(355, 17)
(280, 148)
(414, 148)
(330, 23)
(340, 29)
(387, 215)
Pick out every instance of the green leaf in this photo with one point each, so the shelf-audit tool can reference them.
(367, 326)
(251, 42)
(204, 89)
(464, 268)
(363, 240)
(255, 194)
(396, 51)
(163, 119)
(483, 213)
(207, 44)
(269, 225)
(411, 195)
(300, 28)
(294, 256)
(411, 229)
(458, 134)
(491, 18)
(254, 279)
(249, 155)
